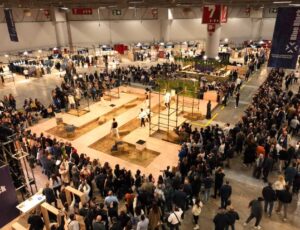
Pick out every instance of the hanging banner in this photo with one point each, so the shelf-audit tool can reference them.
(11, 25)
(286, 39)
(224, 14)
(211, 14)
(8, 197)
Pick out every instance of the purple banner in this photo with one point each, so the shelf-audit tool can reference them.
(11, 25)
(8, 197)
(286, 39)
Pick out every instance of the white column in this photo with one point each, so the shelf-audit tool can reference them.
(213, 42)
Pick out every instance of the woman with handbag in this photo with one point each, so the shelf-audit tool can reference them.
(174, 218)
(155, 217)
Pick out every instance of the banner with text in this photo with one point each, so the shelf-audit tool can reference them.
(11, 25)
(286, 39)
(8, 197)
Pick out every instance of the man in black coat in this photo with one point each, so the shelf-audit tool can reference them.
(36, 222)
(49, 194)
(284, 198)
(269, 196)
(233, 216)
(179, 198)
(225, 193)
(219, 178)
(256, 212)
(267, 167)
(221, 220)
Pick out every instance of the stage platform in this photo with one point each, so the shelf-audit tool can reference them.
(160, 152)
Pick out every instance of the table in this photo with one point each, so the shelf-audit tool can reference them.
(31, 203)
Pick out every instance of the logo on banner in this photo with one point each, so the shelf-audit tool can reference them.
(2, 189)
(292, 47)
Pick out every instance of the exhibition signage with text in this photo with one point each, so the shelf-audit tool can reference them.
(8, 197)
(214, 14)
(11, 25)
(286, 39)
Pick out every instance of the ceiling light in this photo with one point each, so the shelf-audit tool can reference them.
(282, 2)
(294, 4)
(64, 8)
(226, 40)
(40, 51)
(6, 55)
(25, 53)
(54, 48)
(204, 57)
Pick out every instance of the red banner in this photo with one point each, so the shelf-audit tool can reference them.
(211, 27)
(211, 14)
(82, 11)
(224, 14)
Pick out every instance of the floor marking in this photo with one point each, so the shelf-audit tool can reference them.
(207, 123)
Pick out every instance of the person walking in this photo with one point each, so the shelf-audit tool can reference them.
(270, 197)
(196, 211)
(114, 128)
(256, 212)
(284, 198)
(221, 220)
(233, 216)
(142, 116)
(225, 193)
(237, 99)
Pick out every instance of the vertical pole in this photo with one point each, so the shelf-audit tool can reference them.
(150, 110)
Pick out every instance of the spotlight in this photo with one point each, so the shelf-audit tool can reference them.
(40, 51)
(217, 58)
(226, 40)
(6, 55)
(204, 57)
(25, 53)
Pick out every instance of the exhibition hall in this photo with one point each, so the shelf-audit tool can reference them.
(149, 114)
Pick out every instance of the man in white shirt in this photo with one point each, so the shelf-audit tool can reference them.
(174, 219)
(143, 116)
(73, 224)
(143, 223)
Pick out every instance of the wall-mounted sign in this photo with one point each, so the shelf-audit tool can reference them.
(116, 12)
(82, 11)
(211, 28)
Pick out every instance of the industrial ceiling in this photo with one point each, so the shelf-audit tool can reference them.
(139, 3)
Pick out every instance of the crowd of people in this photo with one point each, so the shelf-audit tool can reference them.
(118, 199)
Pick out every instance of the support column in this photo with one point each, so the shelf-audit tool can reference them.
(213, 40)
(62, 28)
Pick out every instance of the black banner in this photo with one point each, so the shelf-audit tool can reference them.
(11, 25)
(286, 39)
(8, 197)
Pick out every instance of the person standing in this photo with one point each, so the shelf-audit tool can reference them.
(208, 182)
(225, 193)
(237, 99)
(143, 223)
(142, 116)
(196, 211)
(174, 218)
(267, 167)
(114, 128)
(270, 197)
(208, 110)
(284, 198)
(219, 178)
(73, 224)
(98, 224)
(256, 212)
(233, 216)
(36, 222)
